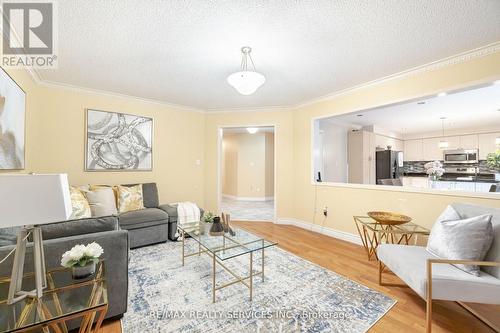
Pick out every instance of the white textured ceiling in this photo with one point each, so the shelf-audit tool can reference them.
(181, 52)
(475, 108)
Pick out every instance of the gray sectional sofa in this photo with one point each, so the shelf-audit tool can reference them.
(60, 237)
(116, 235)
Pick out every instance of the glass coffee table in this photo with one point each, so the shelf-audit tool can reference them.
(225, 247)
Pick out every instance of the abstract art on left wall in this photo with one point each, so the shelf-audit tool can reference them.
(12, 123)
(118, 141)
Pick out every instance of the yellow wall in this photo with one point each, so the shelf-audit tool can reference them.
(55, 139)
(295, 194)
(229, 165)
(269, 165)
(55, 143)
(247, 170)
(283, 122)
(344, 202)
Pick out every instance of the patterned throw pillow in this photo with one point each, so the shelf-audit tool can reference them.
(79, 204)
(130, 198)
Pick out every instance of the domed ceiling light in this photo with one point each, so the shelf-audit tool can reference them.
(252, 130)
(246, 81)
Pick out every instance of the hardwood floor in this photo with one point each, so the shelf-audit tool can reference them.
(349, 260)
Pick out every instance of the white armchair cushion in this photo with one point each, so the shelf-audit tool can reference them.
(455, 238)
(409, 263)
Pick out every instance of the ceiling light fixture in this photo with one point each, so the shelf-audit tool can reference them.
(441, 94)
(246, 81)
(252, 130)
(443, 144)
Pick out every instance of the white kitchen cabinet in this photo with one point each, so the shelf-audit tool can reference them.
(486, 144)
(468, 141)
(382, 141)
(431, 150)
(413, 150)
(453, 142)
(361, 157)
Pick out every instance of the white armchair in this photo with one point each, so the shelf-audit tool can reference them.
(433, 278)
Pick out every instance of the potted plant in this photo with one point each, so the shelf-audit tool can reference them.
(493, 162)
(208, 217)
(434, 170)
(82, 259)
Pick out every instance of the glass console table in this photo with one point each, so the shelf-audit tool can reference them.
(63, 300)
(373, 233)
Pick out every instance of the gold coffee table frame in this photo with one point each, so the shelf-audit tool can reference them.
(55, 320)
(373, 233)
(228, 243)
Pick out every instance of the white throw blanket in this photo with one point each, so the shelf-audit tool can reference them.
(187, 213)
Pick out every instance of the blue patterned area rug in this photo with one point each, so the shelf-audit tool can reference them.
(296, 296)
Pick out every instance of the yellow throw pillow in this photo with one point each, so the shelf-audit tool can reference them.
(129, 198)
(79, 204)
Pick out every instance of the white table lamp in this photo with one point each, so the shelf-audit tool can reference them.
(29, 201)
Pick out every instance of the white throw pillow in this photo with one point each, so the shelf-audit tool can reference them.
(102, 201)
(455, 238)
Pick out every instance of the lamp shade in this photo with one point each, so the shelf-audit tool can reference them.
(34, 199)
(246, 82)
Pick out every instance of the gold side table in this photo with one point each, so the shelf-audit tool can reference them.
(63, 300)
(373, 233)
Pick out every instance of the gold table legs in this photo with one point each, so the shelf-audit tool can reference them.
(245, 280)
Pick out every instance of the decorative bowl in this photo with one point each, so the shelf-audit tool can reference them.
(389, 218)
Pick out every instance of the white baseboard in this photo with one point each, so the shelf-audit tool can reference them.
(233, 197)
(346, 236)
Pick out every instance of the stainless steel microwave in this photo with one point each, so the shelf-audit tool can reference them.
(461, 156)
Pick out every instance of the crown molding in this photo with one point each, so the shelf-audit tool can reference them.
(432, 66)
(86, 90)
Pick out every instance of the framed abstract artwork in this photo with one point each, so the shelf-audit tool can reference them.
(117, 141)
(12, 123)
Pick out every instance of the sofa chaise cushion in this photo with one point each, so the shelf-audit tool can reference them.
(143, 218)
(448, 282)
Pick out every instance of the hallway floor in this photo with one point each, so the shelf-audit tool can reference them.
(248, 210)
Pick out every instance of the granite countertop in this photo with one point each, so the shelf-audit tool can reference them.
(482, 178)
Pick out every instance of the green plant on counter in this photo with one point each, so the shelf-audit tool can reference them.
(493, 160)
(208, 217)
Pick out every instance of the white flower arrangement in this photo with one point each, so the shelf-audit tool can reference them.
(81, 255)
(434, 169)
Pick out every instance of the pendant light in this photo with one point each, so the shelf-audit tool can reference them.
(443, 144)
(246, 81)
